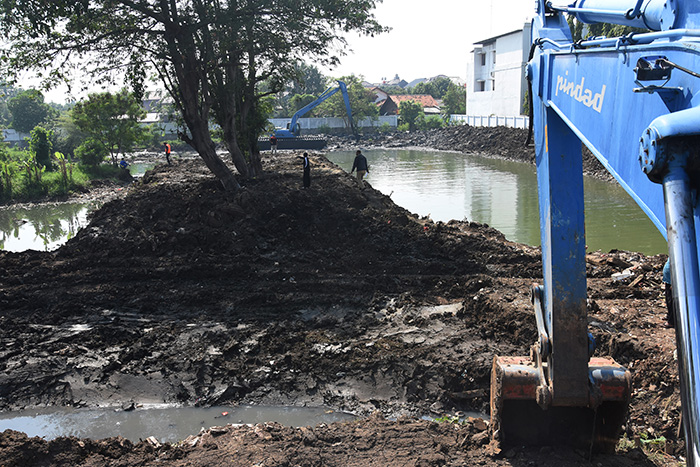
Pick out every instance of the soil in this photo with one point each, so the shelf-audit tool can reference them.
(179, 292)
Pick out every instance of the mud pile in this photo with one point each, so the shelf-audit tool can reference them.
(333, 295)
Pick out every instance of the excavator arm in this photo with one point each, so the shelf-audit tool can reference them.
(294, 131)
(634, 101)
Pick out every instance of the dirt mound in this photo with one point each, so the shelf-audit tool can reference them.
(332, 295)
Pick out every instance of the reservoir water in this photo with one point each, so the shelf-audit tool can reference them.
(41, 227)
(441, 185)
(45, 227)
(502, 194)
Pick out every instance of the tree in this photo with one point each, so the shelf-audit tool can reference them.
(299, 101)
(307, 81)
(210, 55)
(112, 119)
(270, 47)
(454, 102)
(40, 146)
(361, 102)
(92, 152)
(28, 110)
(436, 87)
(411, 113)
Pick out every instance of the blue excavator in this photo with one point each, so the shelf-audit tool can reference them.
(291, 138)
(634, 101)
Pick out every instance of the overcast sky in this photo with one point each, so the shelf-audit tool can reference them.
(430, 37)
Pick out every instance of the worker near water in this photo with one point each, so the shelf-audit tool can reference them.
(307, 170)
(166, 146)
(273, 143)
(123, 164)
(360, 163)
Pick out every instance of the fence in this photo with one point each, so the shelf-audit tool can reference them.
(313, 125)
(491, 120)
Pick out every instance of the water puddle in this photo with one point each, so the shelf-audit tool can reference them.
(42, 227)
(165, 423)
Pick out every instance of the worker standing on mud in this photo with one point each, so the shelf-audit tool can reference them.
(360, 163)
(273, 144)
(167, 152)
(307, 170)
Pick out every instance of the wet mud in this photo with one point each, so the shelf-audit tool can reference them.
(279, 295)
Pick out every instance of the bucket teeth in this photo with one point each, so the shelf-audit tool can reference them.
(522, 411)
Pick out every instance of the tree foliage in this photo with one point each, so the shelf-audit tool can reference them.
(112, 119)
(211, 55)
(411, 113)
(307, 81)
(41, 147)
(361, 102)
(28, 110)
(436, 87)
(454, 101)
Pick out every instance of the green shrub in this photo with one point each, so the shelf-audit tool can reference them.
(40, 146)
(385, 128)
(431, 123)
(92, 152)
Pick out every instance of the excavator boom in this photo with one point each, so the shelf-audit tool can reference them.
(634, 101)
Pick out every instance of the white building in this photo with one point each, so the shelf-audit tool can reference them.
(496, 83)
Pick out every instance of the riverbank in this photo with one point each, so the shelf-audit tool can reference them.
(279, 295)
(497, 142)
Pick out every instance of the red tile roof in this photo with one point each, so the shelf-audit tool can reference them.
(426, 100)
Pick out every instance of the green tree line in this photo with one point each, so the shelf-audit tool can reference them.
(219, 61)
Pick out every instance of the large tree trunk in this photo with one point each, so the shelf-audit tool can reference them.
(206, 149)
(194, 100)
(231, 141)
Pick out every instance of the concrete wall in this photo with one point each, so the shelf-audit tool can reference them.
(313, 125)
(491, 121)
(496, 83)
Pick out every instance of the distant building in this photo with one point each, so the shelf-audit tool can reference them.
(14, 138)
(496, 83)
(395, 82)
(391, 105)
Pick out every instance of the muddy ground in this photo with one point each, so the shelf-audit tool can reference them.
(179, 292)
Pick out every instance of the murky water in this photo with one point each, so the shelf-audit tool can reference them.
(441, 185)
(47, 227)
(167, 424)
(502, 194)
(42, 228)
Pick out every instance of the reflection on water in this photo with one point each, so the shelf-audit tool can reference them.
(42, 227)
(502, 194)
(167, 424)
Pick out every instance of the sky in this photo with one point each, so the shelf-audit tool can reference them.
(429, 37)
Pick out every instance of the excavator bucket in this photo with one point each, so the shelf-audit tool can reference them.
(517, 416)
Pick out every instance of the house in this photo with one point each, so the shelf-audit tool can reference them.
(496, 83)
(395, 82)
(391, 105)
(380, 93)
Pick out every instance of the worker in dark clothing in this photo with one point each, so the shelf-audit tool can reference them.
(273, 144)
(360, 163)
(307, 171)
(167, 152)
